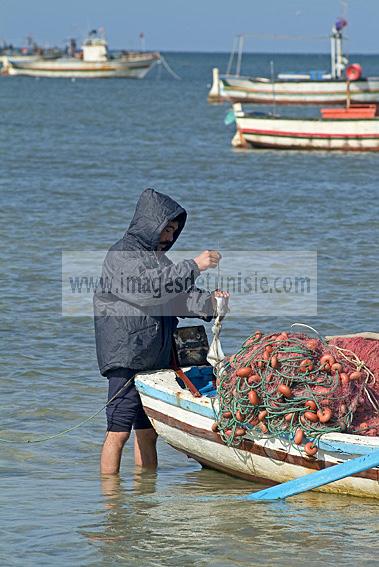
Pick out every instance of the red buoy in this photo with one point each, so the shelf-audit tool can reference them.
(353, 72)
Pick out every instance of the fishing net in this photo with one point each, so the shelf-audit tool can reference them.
(303, 387)
(366, 416)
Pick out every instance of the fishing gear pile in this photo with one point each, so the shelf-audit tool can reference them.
(290, 383)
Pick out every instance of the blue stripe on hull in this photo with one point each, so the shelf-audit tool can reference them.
(174, 400)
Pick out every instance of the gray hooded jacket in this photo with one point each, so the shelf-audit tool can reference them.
(141, 291)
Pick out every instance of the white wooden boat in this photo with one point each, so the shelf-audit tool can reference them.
(295, 91)
(185, 423)
(313, 87)
(352, 129)
(95, 62)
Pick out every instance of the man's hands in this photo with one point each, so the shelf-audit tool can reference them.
(207, 259)
(210, 259)
(220, 293)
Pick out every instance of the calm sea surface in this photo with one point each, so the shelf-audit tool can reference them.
(74, 158)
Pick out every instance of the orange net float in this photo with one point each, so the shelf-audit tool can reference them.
(311, 416)
(324, 415)
(299, 435)
(310, 449)
(285, 390)
(244, 372)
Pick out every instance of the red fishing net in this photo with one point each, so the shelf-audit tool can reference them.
(367, 350)
(290, 383)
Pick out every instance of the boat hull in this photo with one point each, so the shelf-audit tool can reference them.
(185, 423)
(306, 134)
(133, 68)
(4, 59)
(297, 92)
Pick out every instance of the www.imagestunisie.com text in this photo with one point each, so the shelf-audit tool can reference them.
(157, 286)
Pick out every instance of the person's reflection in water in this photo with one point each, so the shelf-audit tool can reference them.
(111, 487)
(125, 511)
(144, 482)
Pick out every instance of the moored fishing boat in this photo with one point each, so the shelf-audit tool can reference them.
(33, 52)
(295, 91)
(93, 62)
(303, 88)
(187, 424)
(19, 57)
(347, 129)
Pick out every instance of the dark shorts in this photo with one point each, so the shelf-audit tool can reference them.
(125, 411)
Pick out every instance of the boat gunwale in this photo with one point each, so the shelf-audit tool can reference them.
(264, 81)
(250, 116)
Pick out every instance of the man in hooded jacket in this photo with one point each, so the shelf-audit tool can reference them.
(135, 308)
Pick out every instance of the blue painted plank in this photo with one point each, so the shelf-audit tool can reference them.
(345, 448)
(317, 479)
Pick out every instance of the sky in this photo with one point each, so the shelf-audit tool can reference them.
(192, 25)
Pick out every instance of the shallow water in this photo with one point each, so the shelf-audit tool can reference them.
(74, 157)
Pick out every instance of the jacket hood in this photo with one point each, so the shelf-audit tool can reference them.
(153, 211)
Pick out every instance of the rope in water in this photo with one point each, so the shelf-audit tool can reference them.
(281, 384)
(69, 429)
(168, 68)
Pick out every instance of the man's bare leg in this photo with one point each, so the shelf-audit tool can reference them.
(112, 450)
(145, 451)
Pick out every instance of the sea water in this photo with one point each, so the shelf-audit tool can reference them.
(75, 155)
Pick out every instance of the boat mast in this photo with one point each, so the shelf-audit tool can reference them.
(273, 87)
(241, 40)
(231, 58)
(332, 56)
(338, 61)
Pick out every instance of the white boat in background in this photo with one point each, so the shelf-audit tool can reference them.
(93, 62)
(314, 87)
(32, 52)
(185, 422)
(346, 129)
(17, 57)
(293, 91)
